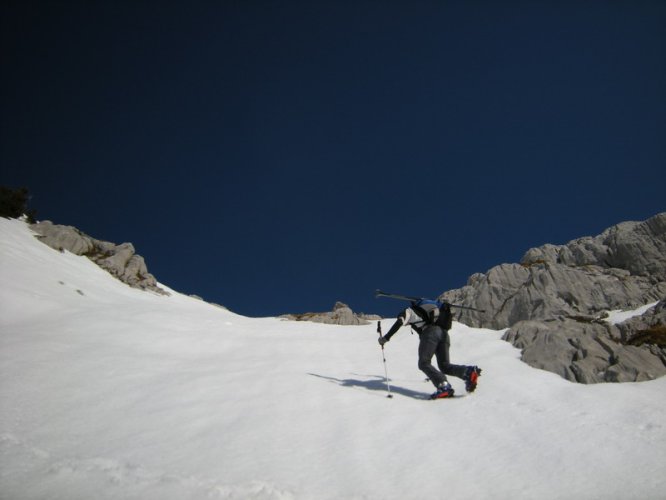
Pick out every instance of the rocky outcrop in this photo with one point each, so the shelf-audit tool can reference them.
(119, 260)
(341, 315)
(646, 329)
(553, 298)
(591, 350)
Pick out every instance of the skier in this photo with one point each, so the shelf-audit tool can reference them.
(432, 321)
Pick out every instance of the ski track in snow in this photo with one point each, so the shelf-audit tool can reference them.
(109, 392)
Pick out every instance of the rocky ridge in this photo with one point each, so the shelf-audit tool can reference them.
(120, 261)
(340, 315)
(553, 300)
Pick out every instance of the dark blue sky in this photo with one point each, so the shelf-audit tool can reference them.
(278, 156)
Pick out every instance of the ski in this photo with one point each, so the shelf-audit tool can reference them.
(380, 293)
(409, 298)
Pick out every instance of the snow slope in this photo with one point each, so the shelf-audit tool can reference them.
(111, 392)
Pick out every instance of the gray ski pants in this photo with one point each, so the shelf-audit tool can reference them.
(434, 341)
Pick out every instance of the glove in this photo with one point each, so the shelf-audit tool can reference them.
(382, 341)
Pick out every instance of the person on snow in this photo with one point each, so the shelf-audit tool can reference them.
(432, 321)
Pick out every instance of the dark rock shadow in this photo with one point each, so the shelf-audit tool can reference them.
(372, 383)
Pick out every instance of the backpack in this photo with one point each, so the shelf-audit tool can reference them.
(433, 312)
(445, 319)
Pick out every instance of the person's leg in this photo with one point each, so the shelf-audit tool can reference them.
(429, 341)
(470, 374)
(443, 358)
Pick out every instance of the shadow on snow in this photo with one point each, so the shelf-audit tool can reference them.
(372, 383)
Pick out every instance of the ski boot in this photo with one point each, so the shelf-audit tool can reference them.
(443, 391)
(471, 377)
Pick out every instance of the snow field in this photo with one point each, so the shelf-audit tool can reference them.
(111, 392)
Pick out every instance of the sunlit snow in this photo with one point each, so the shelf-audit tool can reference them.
(619, 316)
(111, 392)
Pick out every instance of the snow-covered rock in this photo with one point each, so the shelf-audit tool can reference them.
(119, 260)
(550, 299)
(586, 351)
(341, 314)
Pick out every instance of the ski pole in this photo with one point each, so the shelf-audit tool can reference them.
(388, 387)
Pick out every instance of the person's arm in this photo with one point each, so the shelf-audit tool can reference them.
(403, 319)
